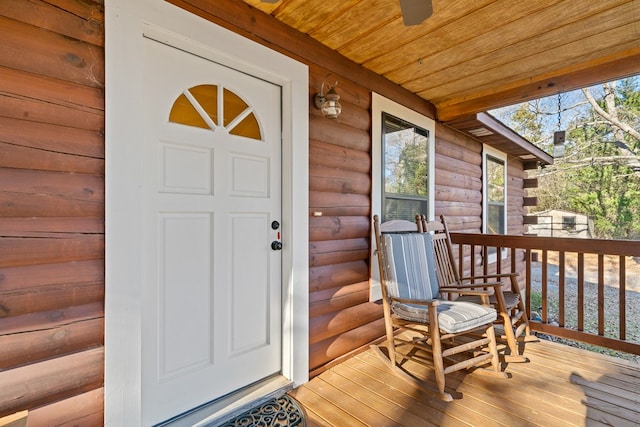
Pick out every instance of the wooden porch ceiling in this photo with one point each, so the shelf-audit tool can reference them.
(473, 56)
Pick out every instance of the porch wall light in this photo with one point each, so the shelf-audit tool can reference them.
(328, 102)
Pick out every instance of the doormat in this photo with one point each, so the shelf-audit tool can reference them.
(277, 412)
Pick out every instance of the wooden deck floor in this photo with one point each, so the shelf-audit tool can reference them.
(559, 386)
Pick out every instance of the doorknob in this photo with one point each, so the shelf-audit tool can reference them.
(276, 246)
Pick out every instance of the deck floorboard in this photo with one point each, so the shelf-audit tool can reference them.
(559, 386)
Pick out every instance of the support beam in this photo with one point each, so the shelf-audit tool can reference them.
(613, 67)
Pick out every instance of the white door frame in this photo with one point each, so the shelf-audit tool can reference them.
(126, 23)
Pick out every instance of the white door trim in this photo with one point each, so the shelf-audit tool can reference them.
(126, 23)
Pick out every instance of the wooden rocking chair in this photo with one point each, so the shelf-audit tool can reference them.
(412, 305)
(508, 303)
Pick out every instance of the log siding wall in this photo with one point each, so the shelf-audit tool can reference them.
(52, 198)
(52, 210)
(341, 318)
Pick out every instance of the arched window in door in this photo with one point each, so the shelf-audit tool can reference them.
(212, 107)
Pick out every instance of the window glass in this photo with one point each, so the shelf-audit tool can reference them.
(496, 195)
(405, 169)
(569, 223)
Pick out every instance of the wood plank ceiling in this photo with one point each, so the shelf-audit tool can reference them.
(472, 56)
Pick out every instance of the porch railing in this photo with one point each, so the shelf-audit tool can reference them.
(573, 304)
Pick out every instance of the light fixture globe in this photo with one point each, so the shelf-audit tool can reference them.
(328, 103)
(331, 107)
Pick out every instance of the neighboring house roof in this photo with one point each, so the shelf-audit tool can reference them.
(561, 211)
(491, 131)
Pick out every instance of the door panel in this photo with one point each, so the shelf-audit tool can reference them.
(211, 282)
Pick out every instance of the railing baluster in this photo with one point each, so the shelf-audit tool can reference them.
(485, 260)
(567, 249)
(527, 282)
(622, 288)
(561, 288)
(601, 294)
(581, 291)
(461, 260)
(543, 283)
(472, 265)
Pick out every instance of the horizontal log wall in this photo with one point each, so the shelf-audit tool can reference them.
(341, 318)
(52, 210)
(458, 180)
(516, 194)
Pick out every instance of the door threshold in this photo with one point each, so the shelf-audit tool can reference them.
(232, 405)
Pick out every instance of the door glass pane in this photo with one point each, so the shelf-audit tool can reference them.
(202, 101)
(247, 127)
(405, 169)
(183, 112)
(207, 97)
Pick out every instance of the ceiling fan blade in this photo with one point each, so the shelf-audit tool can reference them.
(415, 11)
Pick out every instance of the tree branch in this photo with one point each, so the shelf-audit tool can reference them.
(614, 120)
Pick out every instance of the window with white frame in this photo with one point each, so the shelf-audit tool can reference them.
(405, 168)
(494, 218)
(402, 168)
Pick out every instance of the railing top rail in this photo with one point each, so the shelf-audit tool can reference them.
(563, 244)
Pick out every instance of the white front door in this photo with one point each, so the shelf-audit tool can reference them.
(211, 291)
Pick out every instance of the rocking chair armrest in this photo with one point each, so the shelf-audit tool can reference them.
(472, 286)
(425, 302)
(515, 287)
(465, 291)
(483, 294)
(490, 276)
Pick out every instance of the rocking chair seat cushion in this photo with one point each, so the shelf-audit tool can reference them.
(453, 316)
